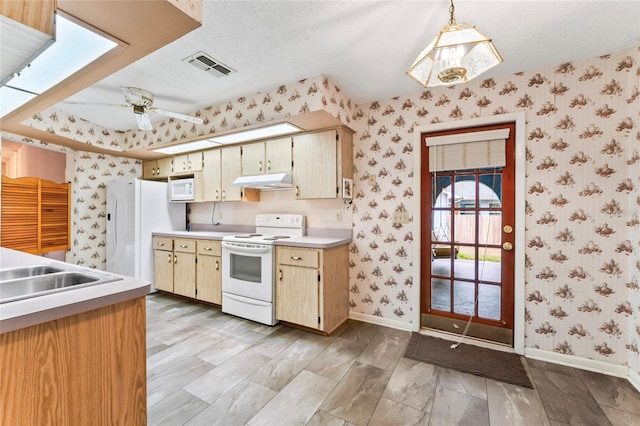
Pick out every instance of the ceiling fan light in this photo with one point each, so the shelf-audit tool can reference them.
(458, 54)
(138, 109)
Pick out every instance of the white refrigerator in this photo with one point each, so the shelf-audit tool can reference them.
(135, 209)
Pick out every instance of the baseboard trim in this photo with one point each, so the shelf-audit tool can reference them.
(634, 379)
(578, 362)
(386, 322)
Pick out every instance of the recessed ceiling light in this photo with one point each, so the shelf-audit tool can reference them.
(186, 147)
(75, 48)
(259, 133)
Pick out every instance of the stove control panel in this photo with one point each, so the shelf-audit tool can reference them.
(281, 221)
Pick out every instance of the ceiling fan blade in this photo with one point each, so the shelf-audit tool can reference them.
(95, 104)
(144, 123)
(177, 115)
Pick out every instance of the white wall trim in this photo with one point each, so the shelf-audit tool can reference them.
(578, 362)
(386, 322)
(519, 293)
(634, 379)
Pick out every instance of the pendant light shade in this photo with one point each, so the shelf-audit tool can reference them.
(458, 54)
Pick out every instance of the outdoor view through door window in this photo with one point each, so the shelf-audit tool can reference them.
(468, 233)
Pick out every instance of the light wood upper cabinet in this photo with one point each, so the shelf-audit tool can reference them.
(156, 169)
(253, 162)
(315, 165)
(272, 156)
(231, 159)
(211, 176)
(187, 163)
(312, 286)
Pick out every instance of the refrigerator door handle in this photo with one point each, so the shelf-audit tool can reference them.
(115, 222)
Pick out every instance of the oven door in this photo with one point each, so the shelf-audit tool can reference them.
(247, 270)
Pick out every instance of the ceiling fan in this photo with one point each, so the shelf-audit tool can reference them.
(141, 102)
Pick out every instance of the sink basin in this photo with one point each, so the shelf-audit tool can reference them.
(47, 283)
(12, 274)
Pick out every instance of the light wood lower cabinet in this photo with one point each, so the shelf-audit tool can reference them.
(163, 263)
(188, 267)
(184, 267)
(312, 286)
(209, 271)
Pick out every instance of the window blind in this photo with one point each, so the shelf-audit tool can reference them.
(464, 151)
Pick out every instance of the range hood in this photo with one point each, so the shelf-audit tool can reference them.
(270, 182)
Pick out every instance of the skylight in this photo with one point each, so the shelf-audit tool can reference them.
(75, 47)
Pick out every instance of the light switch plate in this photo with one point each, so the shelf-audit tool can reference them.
(400, 217)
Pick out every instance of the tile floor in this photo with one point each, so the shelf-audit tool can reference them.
(208, 368)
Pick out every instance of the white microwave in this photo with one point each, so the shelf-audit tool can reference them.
(181, 190)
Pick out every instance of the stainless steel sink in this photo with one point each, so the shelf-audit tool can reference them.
(30, 271)
(51, 280)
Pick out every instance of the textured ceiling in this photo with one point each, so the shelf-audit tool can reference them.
(364, 47)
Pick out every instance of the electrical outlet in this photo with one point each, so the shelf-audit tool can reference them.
(400, 217)
(372, 179)
(338, 216)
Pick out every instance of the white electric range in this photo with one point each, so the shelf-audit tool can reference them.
(248, 266)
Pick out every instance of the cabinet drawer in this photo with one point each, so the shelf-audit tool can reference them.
(210, 247)
(308, 258)
(163, 243)
(184, 245)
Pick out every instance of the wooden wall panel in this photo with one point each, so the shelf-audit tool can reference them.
(87, 369)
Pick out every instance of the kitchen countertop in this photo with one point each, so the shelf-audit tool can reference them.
(40, 309)
(317, 238)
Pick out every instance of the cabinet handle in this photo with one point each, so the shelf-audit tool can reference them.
(217, 265)
(280, 274)
(189, 163)
(175, 259)
(260, 163)
(268, 164)
(224, 194)
(297, 191)
(217, 194)
(183, 246)
(169, 258)
(296, 258)
(207, 248)
(184, 166)
(161, 244)
(153, 171)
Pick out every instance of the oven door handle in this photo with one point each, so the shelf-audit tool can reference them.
(245, 250)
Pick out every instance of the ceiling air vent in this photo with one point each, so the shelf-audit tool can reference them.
(208, 64)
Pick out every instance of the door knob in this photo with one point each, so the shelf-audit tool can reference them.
(507, 246)
(507, 229)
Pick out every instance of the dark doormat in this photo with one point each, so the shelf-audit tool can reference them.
(497, 365)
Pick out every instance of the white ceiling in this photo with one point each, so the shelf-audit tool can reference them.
(364, 47)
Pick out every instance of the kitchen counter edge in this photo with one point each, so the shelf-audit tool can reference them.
(309, 241)
(41, 309)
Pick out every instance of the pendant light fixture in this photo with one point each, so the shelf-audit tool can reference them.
(458, 54)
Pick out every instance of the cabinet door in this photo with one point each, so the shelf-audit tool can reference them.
(278, 155)
(297, 295)
(314, 165)
(211, 170)
(184, 274)
(163, 270)
(209, 279)
(231, 169)
(253, 159)
(163, 167)
(194, 162)
(180, 164)
(149, 169)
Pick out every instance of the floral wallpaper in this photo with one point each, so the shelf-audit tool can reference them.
(582, 197)
(582, 201)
